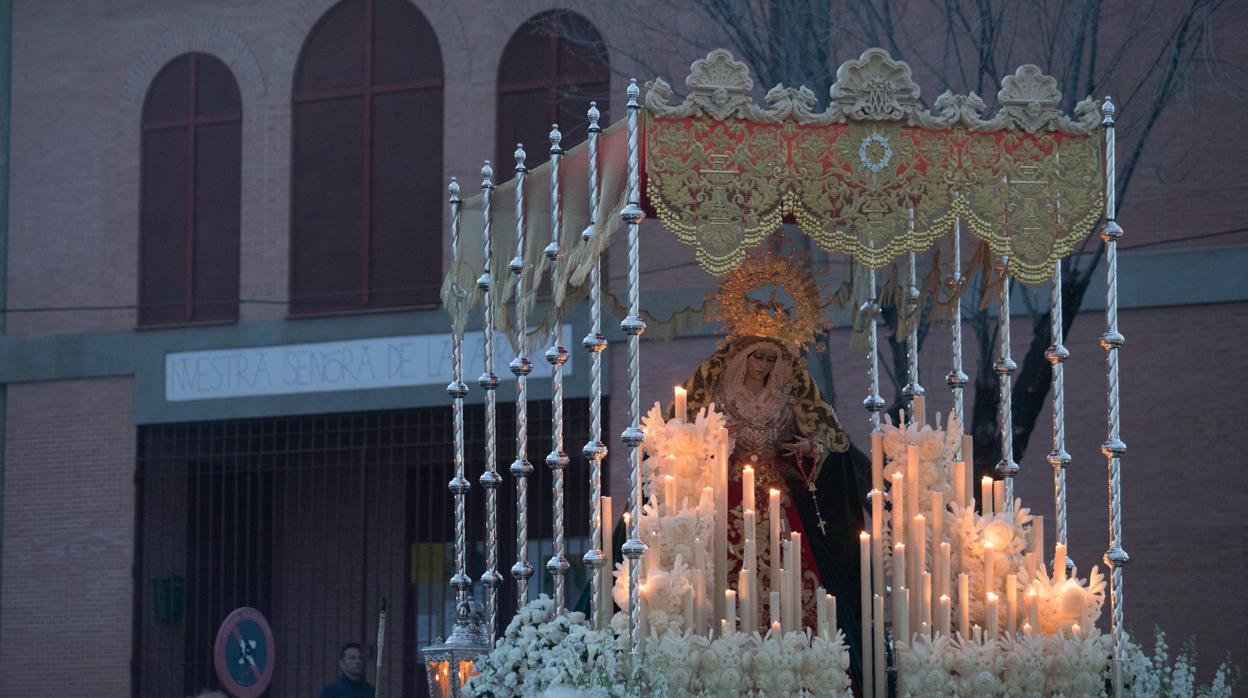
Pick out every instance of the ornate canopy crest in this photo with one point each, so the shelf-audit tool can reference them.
(794, 324)
(874, 175)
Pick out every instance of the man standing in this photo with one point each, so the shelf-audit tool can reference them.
(350, 682)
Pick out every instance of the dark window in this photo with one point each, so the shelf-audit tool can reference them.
(552, 68)
(366, 189)
(189, 194)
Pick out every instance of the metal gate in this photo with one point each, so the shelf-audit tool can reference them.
(316, 521)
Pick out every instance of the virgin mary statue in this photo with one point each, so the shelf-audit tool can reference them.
(783, 428)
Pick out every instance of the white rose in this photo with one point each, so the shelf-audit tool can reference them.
(999, 533)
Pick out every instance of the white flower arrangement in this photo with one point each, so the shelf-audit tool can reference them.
(968, 530)
(1030, 665)
(541, 651)
(683, 450)
(936, 450)
(792, 664)
(1154, 676)
(1063, 604)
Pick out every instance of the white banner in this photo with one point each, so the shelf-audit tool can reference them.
(358, 364)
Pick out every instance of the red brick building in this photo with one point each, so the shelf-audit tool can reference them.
(202, 188)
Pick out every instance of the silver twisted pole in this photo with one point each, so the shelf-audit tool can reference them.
(957, 379)
(1057, 353)
(520, 367)
(873, 403)
(595, 450)
(458, 390)
(1113, 448)
(913, 389)
(490, 479)
(556, 356)
(1005, 368)
(633, 326)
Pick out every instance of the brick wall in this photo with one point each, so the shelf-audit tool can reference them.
(68, 538)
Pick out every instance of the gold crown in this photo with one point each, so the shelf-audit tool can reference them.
(793, 326)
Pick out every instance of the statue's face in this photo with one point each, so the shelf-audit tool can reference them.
(760, 362)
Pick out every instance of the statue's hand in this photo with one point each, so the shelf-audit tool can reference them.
(802, 448)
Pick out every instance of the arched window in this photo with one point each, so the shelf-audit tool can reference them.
(366, 172)
(551, 69)
(189, 193)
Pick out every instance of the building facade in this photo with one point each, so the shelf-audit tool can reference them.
(224, 363)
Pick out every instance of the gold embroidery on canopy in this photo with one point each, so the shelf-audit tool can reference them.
(873, 176)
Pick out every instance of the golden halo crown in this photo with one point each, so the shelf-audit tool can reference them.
(795, 324)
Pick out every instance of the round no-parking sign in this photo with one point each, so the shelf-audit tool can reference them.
(244, 653)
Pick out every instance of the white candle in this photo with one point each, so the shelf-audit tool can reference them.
(821, 614)
(990, 580)
(655, 551)
(1059, 563)
(745, 591)
(669, 495)
(864, 582)
(918, 566)
(925, 600)
(721, 519)
(877, 459)
(681, 408)
(901, 614)
(747, 488)
(775, 608)
(946, 614)
(644, 627)
(795, 577)
(830, 600)
(959, 484)
(773, 511)
(898, 499)
(920, 544)
(690, 613)
(1011, 604)
(730, 610)
(946, 567)
(985, 495)
(776, 632)
(1033, 607)
(877, 543)
(912, 480)
(1026, 628)
(991, 615)
(880, 656)
(605, 579)
(786, 602)
(699, 600)
(899, 566)
(998, 496)
(920, 410)
(1076, 630)
(964, 605)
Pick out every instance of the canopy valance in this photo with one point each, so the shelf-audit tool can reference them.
(874, 175)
